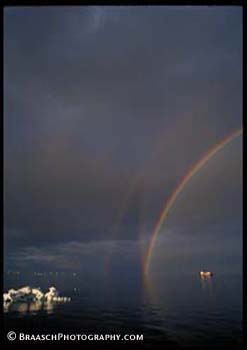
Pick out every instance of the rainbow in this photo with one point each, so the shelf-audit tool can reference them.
(169, 203)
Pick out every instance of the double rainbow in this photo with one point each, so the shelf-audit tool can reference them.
(169, 203)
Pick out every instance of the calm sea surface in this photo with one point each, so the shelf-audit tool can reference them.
(182, 312)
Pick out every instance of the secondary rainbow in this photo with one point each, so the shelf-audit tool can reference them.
(169, 203)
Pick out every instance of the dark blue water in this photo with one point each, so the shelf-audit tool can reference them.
(180, 312)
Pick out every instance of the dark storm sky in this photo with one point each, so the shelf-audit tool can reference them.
(99, 100)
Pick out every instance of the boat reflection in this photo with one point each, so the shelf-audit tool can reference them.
(206, 284)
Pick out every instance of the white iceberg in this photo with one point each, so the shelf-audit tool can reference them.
(51, 294)
(28, 294)
(37, 294)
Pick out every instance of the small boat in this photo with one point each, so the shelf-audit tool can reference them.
(206, 274)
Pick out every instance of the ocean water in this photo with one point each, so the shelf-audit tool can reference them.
(178, 312)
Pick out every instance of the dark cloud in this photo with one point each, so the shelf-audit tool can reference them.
(101, 99)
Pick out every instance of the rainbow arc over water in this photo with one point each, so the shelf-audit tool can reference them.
(169, 203)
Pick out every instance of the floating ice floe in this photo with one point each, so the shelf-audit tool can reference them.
(28, 294)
